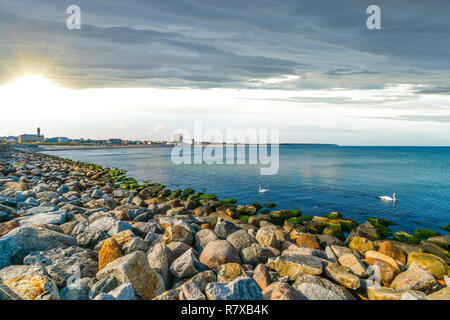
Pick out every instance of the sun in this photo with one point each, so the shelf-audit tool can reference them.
(30, 82)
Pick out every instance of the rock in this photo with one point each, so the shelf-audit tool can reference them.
(343, 293)
(411, 296)
(153, 238)
(405, 237)
(442, 241)
(105, 285)
(307, 240)
(256, 219)
(219, 252)
(340, 251)
(129, 242)
(191, 291)
(123, 292)
(295, 266)
(361, 245)
(281, 291)
(175, 211)
(272, 237)
(257, 253)
(382, 271)
(63, 189)
(62, 263)
(240, 289)
(6, 227)
(342, 276)
(203, 237)
(23, 240)
(79, 290)
(354, 263)
(229, 271)
(328, 240)
(385, 293)
(159, 258)
(54, 217)
(134, 268)
(177, 249)
(186, 265)
(4, 216)
(387, 248)
(96, 194)
(202, 279)
(224, 228)
(241, 239)
(371, 254)
(415, 278)
(433, 264)
(141, 229)
(443, 294)
(365, 230)
(312, 291)
(293, 250)
(110, 251)
(28, 283)
(177, 233)
(109, 225)
(262, 276)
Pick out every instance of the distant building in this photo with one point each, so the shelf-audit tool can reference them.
(115, 141)
(31, 137)
(177, 137)
(11, 139)
(188, 141)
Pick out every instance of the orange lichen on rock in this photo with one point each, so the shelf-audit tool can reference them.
(110, 251)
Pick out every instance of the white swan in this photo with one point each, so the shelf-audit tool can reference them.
(386, 198)
(261, 190)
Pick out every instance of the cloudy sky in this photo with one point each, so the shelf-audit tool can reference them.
(138, 69)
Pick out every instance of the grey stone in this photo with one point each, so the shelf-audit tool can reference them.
(54, 217)
(257, 253)
(224, 228)
(241, 239)
(103, 286)
(242, 288)
(313, 291)
(187, 265)
(344, 294)
(158, 259)
(61, 263)
(203, 237)
(76, 291)
(123, 292)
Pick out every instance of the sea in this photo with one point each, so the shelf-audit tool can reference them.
(311, 178)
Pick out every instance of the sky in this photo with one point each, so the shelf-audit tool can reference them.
(139, 69)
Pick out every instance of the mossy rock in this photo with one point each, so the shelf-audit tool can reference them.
(383, 222)
(425, 233)
(382, 226)
(307, 218)
(333, 215)
(227, 201)
(270, 205)
(188, 191)
(325, 222)
(334, 232)
(405, 237)
(244, 218)
(265, 211)
(296, 220)
(347, 225)
(257, 206)
(175, 193)
(296, 213)
(246, 210)
(446, 228)
(207, 197)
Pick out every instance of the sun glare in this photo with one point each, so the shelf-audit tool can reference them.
(32, 83)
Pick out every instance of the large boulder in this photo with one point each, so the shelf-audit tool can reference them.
(134, 268)
(23, 240)
(62, 263)
(415, 278)
(219, 252)
(53, 217)
(433, 264)
(342, 275)
(343, 293)
(312, 291)
(272, 236)
(187, 265)
(257, 253)
(295, 266)
(241, 239)
(229, 271)
(28, 283)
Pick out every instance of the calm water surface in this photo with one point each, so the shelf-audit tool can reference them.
(315, 180)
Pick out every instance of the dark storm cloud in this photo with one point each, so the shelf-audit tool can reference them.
(234, 43)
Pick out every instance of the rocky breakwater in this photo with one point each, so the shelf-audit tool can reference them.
(72, 230)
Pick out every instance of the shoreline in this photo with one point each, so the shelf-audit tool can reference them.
(88, 208)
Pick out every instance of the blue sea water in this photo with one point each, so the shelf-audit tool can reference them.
(313, 179)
